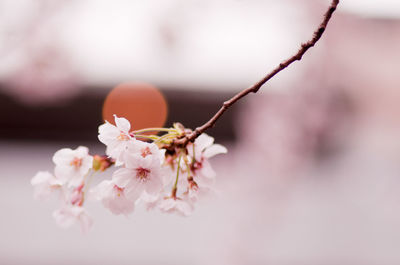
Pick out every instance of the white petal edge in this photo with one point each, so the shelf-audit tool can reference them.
(215, 149)
(122, 124)
(203, 141)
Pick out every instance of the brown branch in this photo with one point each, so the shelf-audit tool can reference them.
(254, 88)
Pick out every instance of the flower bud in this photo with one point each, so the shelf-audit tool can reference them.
(192, 184)
(102, 162)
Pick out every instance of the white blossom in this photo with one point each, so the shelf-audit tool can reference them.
(72, 165)
(116, 138)
(140, 174)
(113, 198)
(176, 205)
(44, 184)
(70, 214)
(199, 152)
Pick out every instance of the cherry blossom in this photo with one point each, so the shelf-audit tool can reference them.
(116, 138)
(200, 151)
(142, 173)
(72, 165)
(70, 214)
(150, 201)
(113, 198)
(177, 205)
(45, 183)
(142, 177)
(144, 150)
(157, 174)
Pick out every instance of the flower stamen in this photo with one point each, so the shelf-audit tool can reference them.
(118, 190)
(146, 151)
(76, 162)
(142, 173)
(123, 137)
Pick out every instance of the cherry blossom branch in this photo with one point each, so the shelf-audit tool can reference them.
(254, 88)
(143, 175)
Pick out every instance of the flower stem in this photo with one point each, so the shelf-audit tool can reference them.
(188, 167)
(194, 155)
(87, 180)
(175, 187)
(167, 136)
(150, 137)
(154, 130)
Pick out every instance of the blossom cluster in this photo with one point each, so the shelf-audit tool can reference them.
(151, 171)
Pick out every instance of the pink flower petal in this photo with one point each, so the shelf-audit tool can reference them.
(63, 156)
(214, 149)
(122, 124)
(123, 176)
(203, 141)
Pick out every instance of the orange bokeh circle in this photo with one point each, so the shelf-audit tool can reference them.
(142, 104)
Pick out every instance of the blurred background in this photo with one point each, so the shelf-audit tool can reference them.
(312, 175)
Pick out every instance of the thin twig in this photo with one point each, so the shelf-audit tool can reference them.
(254, 88)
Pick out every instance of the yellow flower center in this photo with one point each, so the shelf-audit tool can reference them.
(123, 137)
(76, 162)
